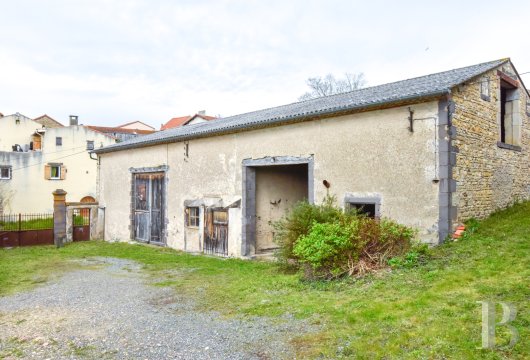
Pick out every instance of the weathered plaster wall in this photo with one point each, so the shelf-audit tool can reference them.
(29, 191)
(488, 177)
(364, 154)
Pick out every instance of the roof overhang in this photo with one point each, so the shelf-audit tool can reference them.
(327, 113)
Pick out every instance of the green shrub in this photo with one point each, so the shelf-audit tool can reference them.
(328, 248)
(328, 242)
(298, 222)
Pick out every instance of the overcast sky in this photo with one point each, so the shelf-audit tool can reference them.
(112, 62)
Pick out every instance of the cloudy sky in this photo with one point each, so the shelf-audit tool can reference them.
(113, 61)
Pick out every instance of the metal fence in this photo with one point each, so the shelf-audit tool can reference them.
(23, 222)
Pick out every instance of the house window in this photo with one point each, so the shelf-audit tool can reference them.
(192, 216)
(54, 172)
(90, 145)
(369, 206)
(58, 141)
(5, 172)
(365, 209)
(485, 89)
(528, 106)
(510, 120)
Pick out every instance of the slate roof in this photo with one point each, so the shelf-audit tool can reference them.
(411, 89)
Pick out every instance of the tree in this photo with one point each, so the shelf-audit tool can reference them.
(5, 197)
(329, 85)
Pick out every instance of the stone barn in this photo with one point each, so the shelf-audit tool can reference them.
(428, 152)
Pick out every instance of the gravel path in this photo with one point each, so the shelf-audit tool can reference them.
(109, 311)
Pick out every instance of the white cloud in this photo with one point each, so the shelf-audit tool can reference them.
(115, 61)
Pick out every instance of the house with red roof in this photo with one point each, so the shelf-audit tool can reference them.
(187, 120)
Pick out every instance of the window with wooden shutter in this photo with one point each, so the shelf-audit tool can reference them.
(54, 172)
(36, 142)
(47, 172)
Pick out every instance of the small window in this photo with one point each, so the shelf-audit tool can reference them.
(485, 89)
(369, 206)
(54, 172)
(90, 145)
(528, 106)
(58, 141)
(192, 216)
(5, 172)
(367, 209)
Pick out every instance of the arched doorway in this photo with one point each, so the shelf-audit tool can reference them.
(85, 213)
(88, 199)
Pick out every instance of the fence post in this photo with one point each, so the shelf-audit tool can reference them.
(19, 228)
(59, 217)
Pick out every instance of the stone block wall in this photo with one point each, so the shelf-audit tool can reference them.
(489, 177)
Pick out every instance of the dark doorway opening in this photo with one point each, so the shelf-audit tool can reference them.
(278, 189)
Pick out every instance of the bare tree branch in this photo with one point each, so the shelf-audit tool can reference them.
(329, 85)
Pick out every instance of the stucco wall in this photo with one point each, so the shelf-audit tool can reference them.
(488, 177)
(16, 133)
(361, 154)
(29, 191)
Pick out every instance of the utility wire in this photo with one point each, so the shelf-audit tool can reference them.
(42, 162)
(55, 152)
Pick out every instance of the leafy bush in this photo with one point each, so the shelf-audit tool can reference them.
(328, 246)
(328, 242)
(299, 222)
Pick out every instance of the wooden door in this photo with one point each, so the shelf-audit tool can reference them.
(148, 207)
(216, 232)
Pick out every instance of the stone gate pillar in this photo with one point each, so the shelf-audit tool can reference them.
(59, 217)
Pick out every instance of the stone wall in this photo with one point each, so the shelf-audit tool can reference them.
(489, 177)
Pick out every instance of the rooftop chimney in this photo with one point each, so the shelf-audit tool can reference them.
(202, 112)
(74, 119)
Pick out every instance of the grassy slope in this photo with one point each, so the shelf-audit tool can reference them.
(426, 312)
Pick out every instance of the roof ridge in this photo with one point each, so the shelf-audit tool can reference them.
(425, 87)
(408, 79)
(366, 88)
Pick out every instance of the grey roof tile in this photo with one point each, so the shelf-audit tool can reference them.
(420, 87)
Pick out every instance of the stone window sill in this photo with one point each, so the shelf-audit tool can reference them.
(485, 97)
(508, 146)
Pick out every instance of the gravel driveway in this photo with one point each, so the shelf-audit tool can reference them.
(109, 311)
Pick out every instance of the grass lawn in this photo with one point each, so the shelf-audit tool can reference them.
(428, 312)
(10, 223)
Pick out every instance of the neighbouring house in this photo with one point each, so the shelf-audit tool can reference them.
(200, 117)
(48, 122)
(120, 134)
(429, 152)
(36, 159)
(136, 125)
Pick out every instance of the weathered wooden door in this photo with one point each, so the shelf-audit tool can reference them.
(216, 232)
(149, 195)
